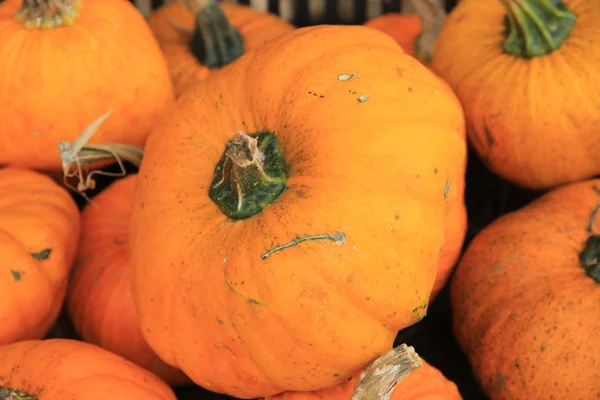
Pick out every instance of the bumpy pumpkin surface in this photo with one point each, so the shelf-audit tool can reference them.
(287, 257)
(99, 297)
(178, 32)
(39, 230)
(525, 298)
(68, 369)
(525, 79)
(54, 81)
(426, 383)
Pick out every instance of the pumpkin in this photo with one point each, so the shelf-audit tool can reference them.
(277, 235)
(531, 116)
(39, 229)
(69, 66)
(425, 383)
(99, 298)
(191, 36)
(524, 299)
(69, 369)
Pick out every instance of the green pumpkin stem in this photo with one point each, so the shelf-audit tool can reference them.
(250, 175)
(215, 42)
(536, 27)
(379, 380)
(589, 257)
(45, 14)
(13, 394)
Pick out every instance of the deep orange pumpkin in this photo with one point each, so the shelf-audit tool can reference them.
(99, 298)
(525, 78)
(54, 81)
(425, 383)
(525, 299)
(257, 291)
(179, 31)
(68, 369)
(39, 231)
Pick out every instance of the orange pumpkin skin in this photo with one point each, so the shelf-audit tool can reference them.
(54, 81)
(524, 310)
(403, 28)
(532, 121)
(99, 299)
(256, 28)
(311, 315)
(69, 369)
(39, 230)
(426, 383)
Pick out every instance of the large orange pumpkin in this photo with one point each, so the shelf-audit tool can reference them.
(525, 298)
(524, 74)
(192, 37)
(39, 231)
(99, 298)
(425, 383)
(286, 256)
(90, 56)
(68, 369)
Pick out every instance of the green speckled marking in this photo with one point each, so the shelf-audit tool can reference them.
(13, 394)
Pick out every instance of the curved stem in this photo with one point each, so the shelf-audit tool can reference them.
(250, 175)
(78, 155)
(536, 27)
(13, 394)
(48, 13)
(215, 42)
(380, 378)
(432, 15)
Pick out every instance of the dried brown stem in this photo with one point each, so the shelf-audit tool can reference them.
(379, 380)
(35, 14)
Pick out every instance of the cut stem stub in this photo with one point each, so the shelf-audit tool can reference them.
(379, 380)
(45, 14)
(250, 175)
(13, 394)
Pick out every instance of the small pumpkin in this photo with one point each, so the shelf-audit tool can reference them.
(205, 35)
(39, 230)
(69, 369)
(64, 63)
(531, 116)
(253, 252)
(525, 297)
(424, 383)
(99, 298)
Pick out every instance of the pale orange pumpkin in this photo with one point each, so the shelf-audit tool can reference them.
(90, 56)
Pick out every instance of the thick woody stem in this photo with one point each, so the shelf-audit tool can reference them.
(536, 27)
(432, 15)
(250, 175)
(215, 42)
(13, 394)
(380, 378)
(45, 14)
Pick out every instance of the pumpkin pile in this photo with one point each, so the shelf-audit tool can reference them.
(217, 199)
